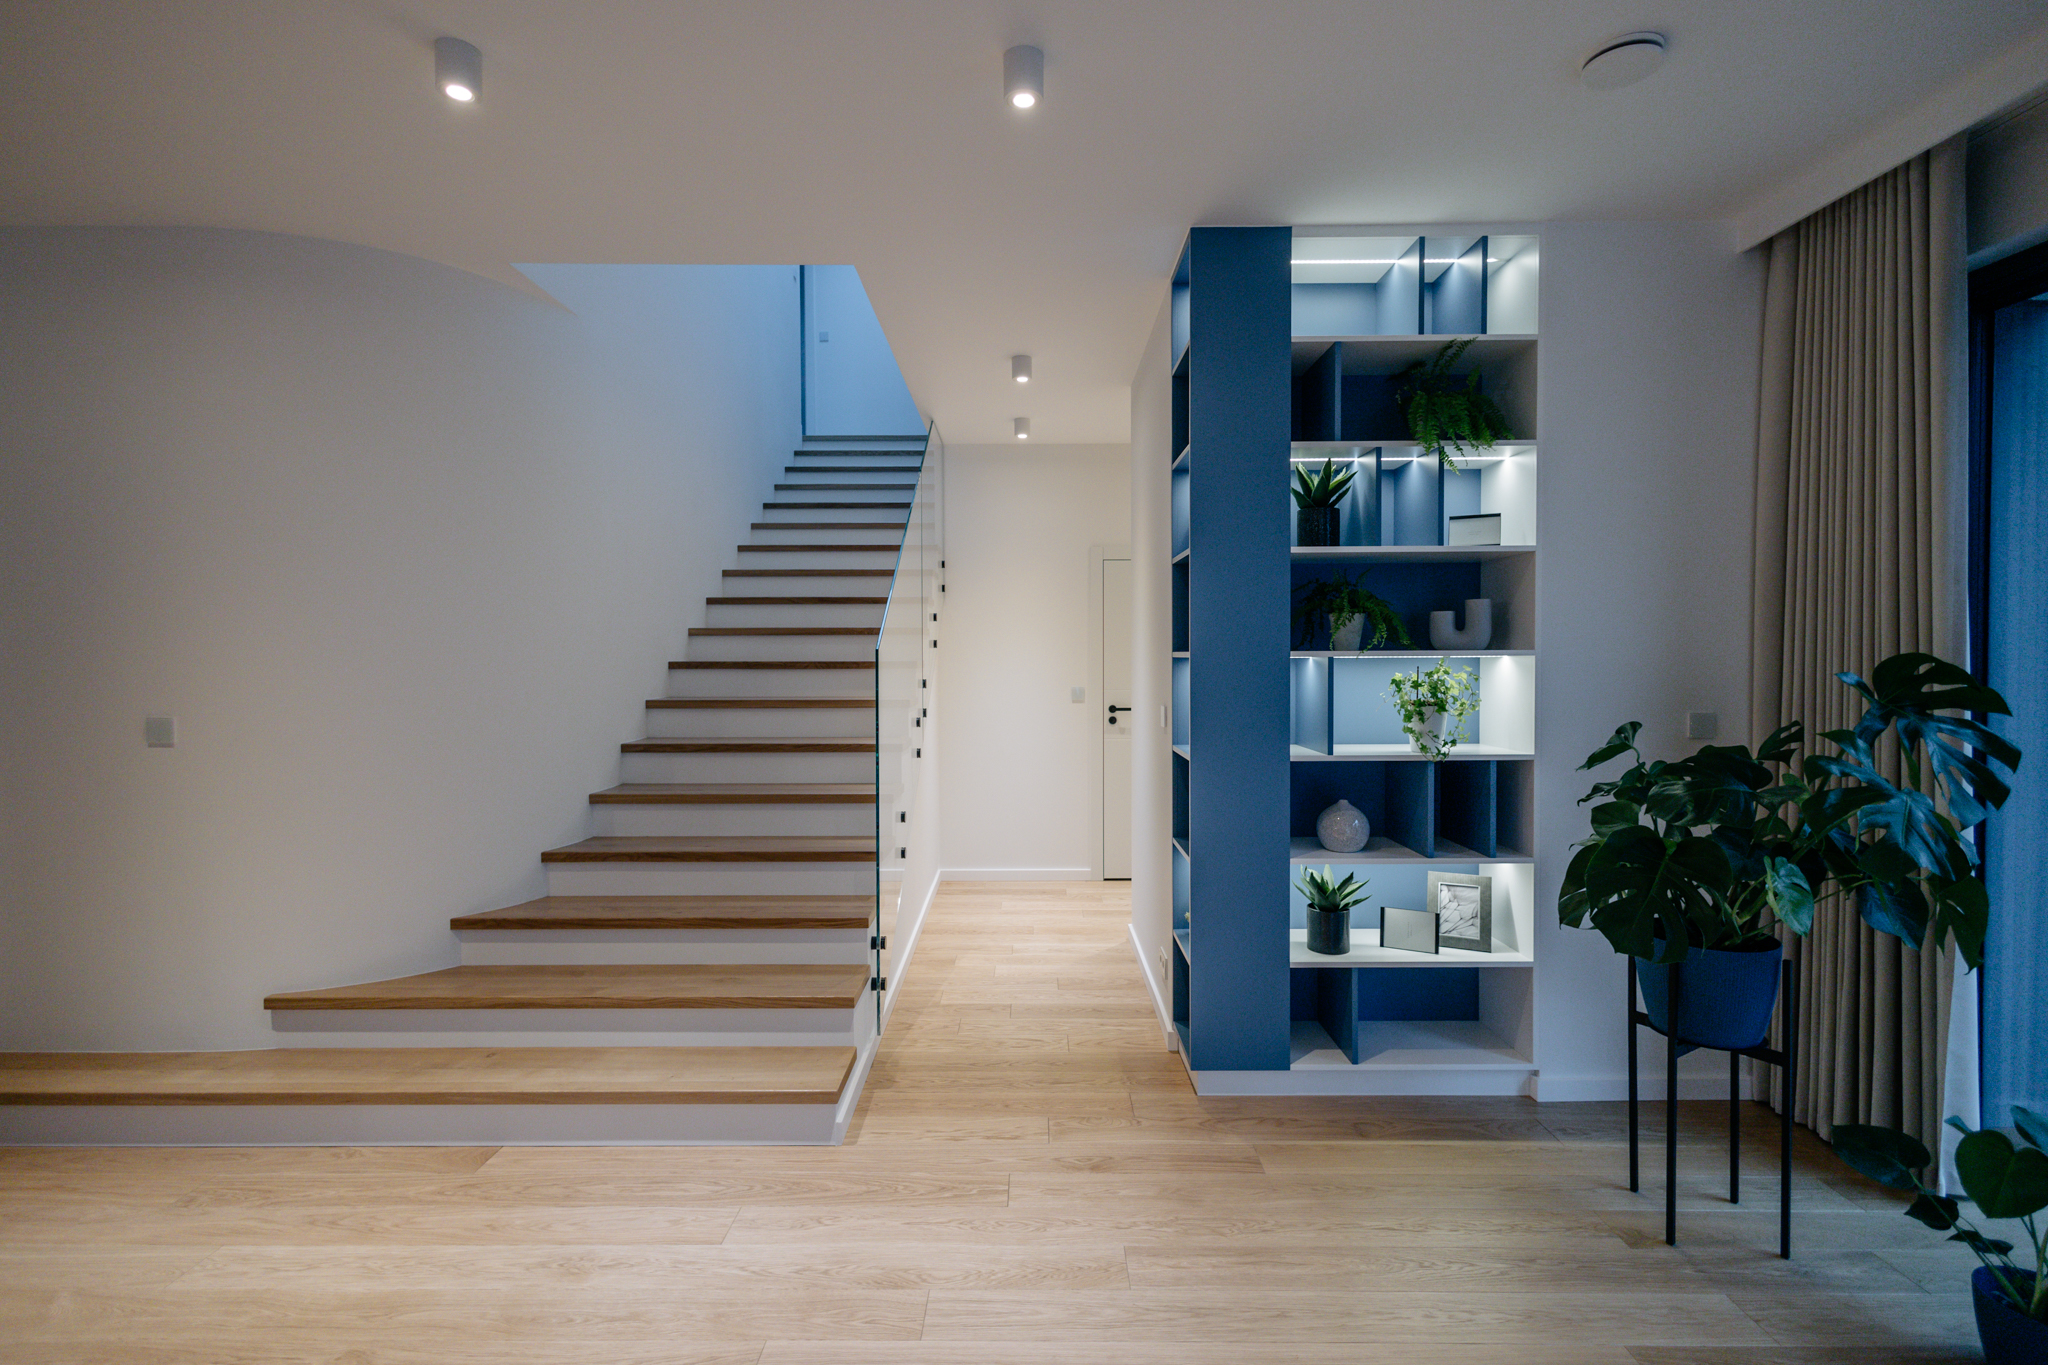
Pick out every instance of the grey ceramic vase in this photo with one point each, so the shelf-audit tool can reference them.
(1343, 828)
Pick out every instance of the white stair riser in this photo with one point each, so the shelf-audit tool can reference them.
(892, 516)
(816, 559)
(574, 1028)
(764, 722)
(718, 648)
(839, 490)
(711, 879)
(747, 767)
(792, 614)
(798, 533)
(798, 821)
(805, 584)
(770, 682)
(547, 947)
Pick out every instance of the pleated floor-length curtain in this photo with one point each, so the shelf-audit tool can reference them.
(1858, 554)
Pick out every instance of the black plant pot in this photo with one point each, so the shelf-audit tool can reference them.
(1329, 931)
(2009, 1337)
(1316, 525)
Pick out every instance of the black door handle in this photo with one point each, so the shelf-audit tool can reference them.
(1114, 709)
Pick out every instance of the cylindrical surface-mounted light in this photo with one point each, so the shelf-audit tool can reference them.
(1024, 76)
(1020, 368)
(1023, 428)
(458, 70)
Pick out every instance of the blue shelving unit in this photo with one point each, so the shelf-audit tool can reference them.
(1269, 371)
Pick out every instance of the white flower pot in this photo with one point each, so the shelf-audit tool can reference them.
(1346, 641)
(1429, 738)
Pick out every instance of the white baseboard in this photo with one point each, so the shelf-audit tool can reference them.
(1549, 1088)
(1017, 874)
(1159, 1004)
(1447, 1081)
(900, 963)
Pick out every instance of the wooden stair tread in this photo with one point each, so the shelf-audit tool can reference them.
(695, 744)
(827, 526)
(677, 912)
(808, 573)
(822, 506)
(597, 986)
(846, 487)
(875, 549)
(730, 600)
(712, 848)
(760, 702)
(868, 664)
(783, 630)
(432, 1075)
(850, 469)
(736, 794)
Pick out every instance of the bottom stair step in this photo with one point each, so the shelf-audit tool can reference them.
(609, 986)
(677, 912)
(430, 1076)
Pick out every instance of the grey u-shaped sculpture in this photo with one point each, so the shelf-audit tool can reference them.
(1478, 631)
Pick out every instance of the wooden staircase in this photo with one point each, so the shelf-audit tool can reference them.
(699, 970)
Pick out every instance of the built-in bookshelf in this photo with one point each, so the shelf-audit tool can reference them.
(1286, 351)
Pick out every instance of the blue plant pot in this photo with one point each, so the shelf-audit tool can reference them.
(1725, 997)
(2009, 1336)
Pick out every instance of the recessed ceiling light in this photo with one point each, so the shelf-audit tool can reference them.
(1020, 368)
(1622, 61)
(458, 69)
(1024, 76)
(1023, 428)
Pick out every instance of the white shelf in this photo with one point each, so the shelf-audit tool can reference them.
(1411, 554)
(1426, 1045)
(1379, 849)
(1366, 952)
(1386, 354)
(1399, 753)
(1315, 452)
(1408, 654)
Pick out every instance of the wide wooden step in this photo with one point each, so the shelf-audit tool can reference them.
(756, 601)
(703, 848)
(868, 664)
(849, 469)
(887, 527)
(736, 794)
(685, 744)
(677, 912)
(602, 986)
(877, 548)
(807, 573)
(846, 488)
(431, 1075)
(823, 506)
(783, 630)
(761, 704)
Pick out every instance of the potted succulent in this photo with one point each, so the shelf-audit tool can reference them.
(1329, 910)
(1433, 703)
(1696, 861)
(1317, 494)
(2004, 1180)
(1448, 415)
(1350, 607)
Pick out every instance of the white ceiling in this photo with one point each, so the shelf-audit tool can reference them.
(875, 133)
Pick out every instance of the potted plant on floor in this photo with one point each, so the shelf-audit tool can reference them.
(2004, 1180)
(1329, 910)
(1317, 494)
(1697, 861)
(1349, 607)
(1433, 703)
(1448, 415)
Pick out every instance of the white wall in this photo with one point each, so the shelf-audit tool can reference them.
(1647, 407)
(1018, 761)
(1151, 674)
(852, 386)
(402, 549)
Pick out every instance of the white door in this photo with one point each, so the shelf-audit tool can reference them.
(1116, 719)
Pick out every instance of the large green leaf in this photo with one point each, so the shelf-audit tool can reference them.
(2032, 1126)
(2003, 1180)
(1790, 894)
(1938, 1211)
(1905, 693)
(1888, 1156)
(1620, 742)
(1640, 887)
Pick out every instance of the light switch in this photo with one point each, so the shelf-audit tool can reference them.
(1162, 718)
(160, 732)
(1702, 724)
(824, 336)
(1077, 694)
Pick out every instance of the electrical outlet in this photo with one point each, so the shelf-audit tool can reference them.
(1702, 724)
(160, 732)
(1162, 962)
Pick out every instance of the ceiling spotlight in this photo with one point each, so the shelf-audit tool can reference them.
(1023, 428)
(1020, 368)
(1623, 61)
(1024, 76)
(458, 69)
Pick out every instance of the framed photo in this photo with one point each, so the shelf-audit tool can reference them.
(1463, 904)
(1412, 930)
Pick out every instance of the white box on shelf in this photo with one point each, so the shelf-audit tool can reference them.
(1481, 528)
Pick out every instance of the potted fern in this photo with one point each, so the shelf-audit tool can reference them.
(2004, 1180)
(1329, 910)
(1349, 607)
(1433, 703)
(1317, 494)
(1448, 415)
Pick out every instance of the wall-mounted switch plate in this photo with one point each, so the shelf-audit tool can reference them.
(1702, 724)
(1077, 694)
(1162, 718)
(824, 336)
(160, 732)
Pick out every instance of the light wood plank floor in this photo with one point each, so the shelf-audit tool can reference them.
(1029, 1179)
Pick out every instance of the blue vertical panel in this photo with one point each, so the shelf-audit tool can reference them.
(1466, 805)
(2015, 1042)
(1238, 596)
(1419, 993)
(1359, 523)
(1309, 705)
(1400, 294)
(1412, 502)
(1180, 508)
(1331, 310)
(1411, 806)
(1455, 301)
(1337, 1003)
(1315, 397)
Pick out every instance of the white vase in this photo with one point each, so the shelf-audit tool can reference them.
(1343, 828)
(1429, 738)
(1477, 634)
(1346, 641)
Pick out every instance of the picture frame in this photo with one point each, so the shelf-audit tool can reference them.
(1463, 905)
(1411, 931)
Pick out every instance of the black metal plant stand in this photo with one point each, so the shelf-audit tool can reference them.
(1778, 1057)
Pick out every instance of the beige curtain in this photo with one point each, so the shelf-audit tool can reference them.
(1858, 545)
